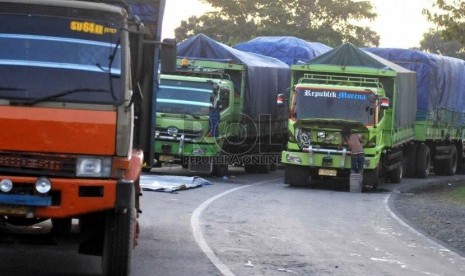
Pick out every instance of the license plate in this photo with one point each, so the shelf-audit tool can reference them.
(166, 158)
(14, 210)
(326, 172)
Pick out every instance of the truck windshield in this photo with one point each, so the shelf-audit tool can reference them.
(184, 97)
(332, 104)
(45, 55)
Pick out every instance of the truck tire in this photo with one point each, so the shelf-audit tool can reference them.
(423, 161)
(119, 240)
(370, 179)
(263, 168)
(250, 168)
(220, 170)
(395, 176)
(296, 175)
(450, 166)
(409, 161)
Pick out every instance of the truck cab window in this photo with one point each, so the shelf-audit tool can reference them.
(224, 98)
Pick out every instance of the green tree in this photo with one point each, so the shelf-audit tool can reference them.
(433, 42)
(331, 22)
(449, 17)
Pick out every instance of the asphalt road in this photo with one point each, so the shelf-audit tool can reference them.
(256, 225)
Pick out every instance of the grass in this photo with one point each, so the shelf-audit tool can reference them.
(455, 195)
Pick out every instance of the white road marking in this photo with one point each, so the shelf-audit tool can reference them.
(197, 231)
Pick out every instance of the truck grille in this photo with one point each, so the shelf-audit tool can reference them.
(37, 164)
(188, 134)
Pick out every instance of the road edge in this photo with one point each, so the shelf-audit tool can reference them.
(406, 222)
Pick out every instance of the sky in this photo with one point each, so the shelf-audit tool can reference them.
(400, 23)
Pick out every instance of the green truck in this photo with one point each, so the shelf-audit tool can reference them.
(348, 90)
(220, 109)
(185, 104)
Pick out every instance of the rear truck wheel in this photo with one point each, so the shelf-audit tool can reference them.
(423, 161)
(119, 240)
(370, 179)
(409, 161)
(450, 166)
(460, 163)
(296, 175)
(395, 176)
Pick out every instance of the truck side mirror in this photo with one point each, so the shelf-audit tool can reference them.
(280, 100)
(168, 55)
(384, 102)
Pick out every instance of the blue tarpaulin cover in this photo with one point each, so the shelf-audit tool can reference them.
(288, 49)
(440, 83)
(148, 10)
(171, 183)
(266, 77)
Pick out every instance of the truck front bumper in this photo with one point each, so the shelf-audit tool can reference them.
(324, 158)
(67, 197)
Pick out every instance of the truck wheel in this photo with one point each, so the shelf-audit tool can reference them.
(370, 179)
(450, 166)
(263, 168)
(220, 170)
(395, 176)
(409, 161)
(296, 175)
(250, 168)
(119, 240)
(423, 161)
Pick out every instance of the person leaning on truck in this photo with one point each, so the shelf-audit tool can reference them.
(355, 143)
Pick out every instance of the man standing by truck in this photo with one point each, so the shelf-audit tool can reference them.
(354, 141)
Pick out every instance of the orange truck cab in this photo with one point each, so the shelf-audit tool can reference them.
(73, 126)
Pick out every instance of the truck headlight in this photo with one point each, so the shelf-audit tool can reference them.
(293, 158)
(6, 185)
(43, 185)
(93, 166)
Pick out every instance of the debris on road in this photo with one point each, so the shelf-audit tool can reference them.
(249, 264)
(171, 183)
